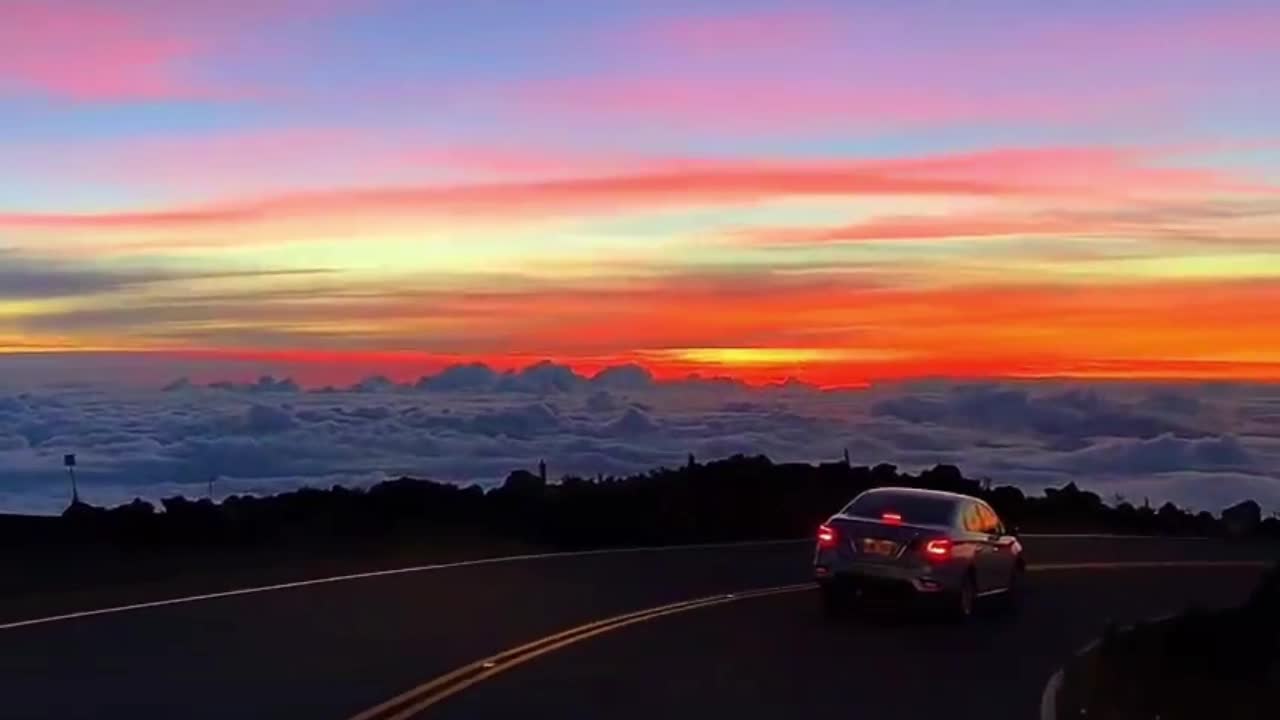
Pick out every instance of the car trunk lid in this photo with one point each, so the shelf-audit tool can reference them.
(881, 541)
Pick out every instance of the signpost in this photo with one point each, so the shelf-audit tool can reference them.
(70, 462)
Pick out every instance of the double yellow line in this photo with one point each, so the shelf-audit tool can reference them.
(408, 704)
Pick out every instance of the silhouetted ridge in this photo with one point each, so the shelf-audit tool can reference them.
(736, 498)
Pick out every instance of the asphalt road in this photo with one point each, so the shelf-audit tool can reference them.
(334, 650)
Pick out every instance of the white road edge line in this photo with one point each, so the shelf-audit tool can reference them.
(1049, 697)
(1139, 564)
(462, 564)
(1105, 536)
(381, 573)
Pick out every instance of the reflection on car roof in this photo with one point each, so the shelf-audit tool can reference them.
(922, 492)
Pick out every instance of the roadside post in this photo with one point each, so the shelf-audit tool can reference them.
(69, 461)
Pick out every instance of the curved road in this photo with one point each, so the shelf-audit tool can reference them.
(335, 650)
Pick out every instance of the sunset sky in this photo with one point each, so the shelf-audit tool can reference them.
(842, 192)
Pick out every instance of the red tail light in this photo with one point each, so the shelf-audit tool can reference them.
(826, 536)
(891, 518)
(939, 549)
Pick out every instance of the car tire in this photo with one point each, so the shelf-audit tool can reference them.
(1011, 599)
(963, 602)
(835, 602)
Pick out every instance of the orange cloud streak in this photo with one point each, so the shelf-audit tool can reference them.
(822, 330)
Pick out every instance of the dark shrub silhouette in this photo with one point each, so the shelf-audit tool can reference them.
(1242, 518)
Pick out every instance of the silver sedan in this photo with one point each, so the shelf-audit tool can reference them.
(916, 545)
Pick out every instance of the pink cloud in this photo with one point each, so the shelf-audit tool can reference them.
(1092, 174)
(741, 31)
(1252, 31)
(200, 165)
(1193, 219)
(714, 184)
(287, 159)
(1219, 29)
(1120, 172)
(96, 50)
(812, 100)
(809, 69)
(87, 52)
(920, 228)
(515, 160)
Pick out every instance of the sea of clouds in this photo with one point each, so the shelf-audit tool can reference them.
(1201, 445)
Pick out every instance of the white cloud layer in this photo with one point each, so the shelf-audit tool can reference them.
(1205, 446)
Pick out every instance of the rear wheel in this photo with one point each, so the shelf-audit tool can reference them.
(963, 600)
(836, 603)
(1011, 599)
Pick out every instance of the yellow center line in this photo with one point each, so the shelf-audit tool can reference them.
(503, 656)
(412, 702)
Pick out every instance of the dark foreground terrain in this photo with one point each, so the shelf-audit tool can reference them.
(1204, 663)
(332, 650)
(122, 553)
(335, 647)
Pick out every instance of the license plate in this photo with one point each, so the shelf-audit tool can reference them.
(879, 547)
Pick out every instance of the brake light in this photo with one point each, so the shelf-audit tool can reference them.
(891, 518)
(939, 549)
(826, 536)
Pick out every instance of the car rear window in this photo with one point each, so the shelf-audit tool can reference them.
(914, 509)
